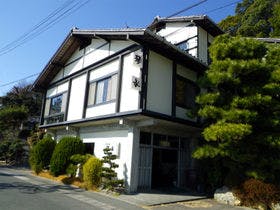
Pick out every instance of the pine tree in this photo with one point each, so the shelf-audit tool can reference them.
(242, 110)
(254, 18)
(109, 176)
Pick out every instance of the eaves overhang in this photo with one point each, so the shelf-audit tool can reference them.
(203, 21)
(144, 37)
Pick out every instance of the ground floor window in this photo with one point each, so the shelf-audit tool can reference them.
(89, 148)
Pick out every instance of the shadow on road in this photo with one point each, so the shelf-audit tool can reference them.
(32, 188)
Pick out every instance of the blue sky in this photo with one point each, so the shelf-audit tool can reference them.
(31, 56)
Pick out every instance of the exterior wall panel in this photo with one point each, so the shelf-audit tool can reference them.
(57, 90)
(104, 70)
(130, 97)
(98, 50)
(159, 93)
(76, 102)
(100, 110)
(116, 46)
(122, 142)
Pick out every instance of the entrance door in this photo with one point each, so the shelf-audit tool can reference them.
(165, 168)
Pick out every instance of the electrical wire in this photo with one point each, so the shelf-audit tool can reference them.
(187, 8)
(53, 18)
(19, 80)
(222, 7)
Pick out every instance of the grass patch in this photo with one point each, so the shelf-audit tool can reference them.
(62, 178)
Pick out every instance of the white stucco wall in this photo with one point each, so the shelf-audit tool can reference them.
(104, 70)
(129, 96)
(57, 90)
(102, 109)
(176, 33)
(96, 51)
(77, 95)
(159, 91)
(122, 141)
(117, 45)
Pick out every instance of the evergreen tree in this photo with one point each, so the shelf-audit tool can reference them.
(242, 110)
(110, 180)
(254, 18)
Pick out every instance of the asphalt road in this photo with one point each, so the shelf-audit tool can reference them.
(22, 191)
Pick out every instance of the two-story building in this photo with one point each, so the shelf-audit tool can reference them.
(131, 89)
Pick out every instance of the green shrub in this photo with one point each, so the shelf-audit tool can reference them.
(92, 172)
(40, 154)
(74, 161)
(254, 192)
(71, 170)
(65, 148)
(78, 158)
(110, 180)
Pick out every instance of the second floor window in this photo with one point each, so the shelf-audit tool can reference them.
(55, 108)
(186, 91)
(103, 90)
(56, 105)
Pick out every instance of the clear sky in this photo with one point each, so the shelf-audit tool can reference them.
(22, 56)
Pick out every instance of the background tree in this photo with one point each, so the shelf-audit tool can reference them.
(23, 95)
(254, 18)
(242, 111)
(11, 119)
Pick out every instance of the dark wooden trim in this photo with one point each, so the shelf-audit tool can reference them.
(43, 108)
(97, 118)
(174, 76)
(126, 114)
(68, 99)
(198, 40)
(144, 79)
(119, 86)
(192, 37)
(86, 96)
(170, 118)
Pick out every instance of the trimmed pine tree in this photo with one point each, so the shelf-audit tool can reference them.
(241, 111)
(109, 176)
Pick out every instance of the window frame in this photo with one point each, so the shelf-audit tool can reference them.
(57, 116)
(188, 82)
(95, 89)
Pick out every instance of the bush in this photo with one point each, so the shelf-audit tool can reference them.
(74, 161)
(40, 154)
(110, 180)
(92, 172)
(254, 192)
(65, 148)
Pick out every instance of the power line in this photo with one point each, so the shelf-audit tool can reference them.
(218, 8)
(19, 80)
(53, 18)
(187, 8)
